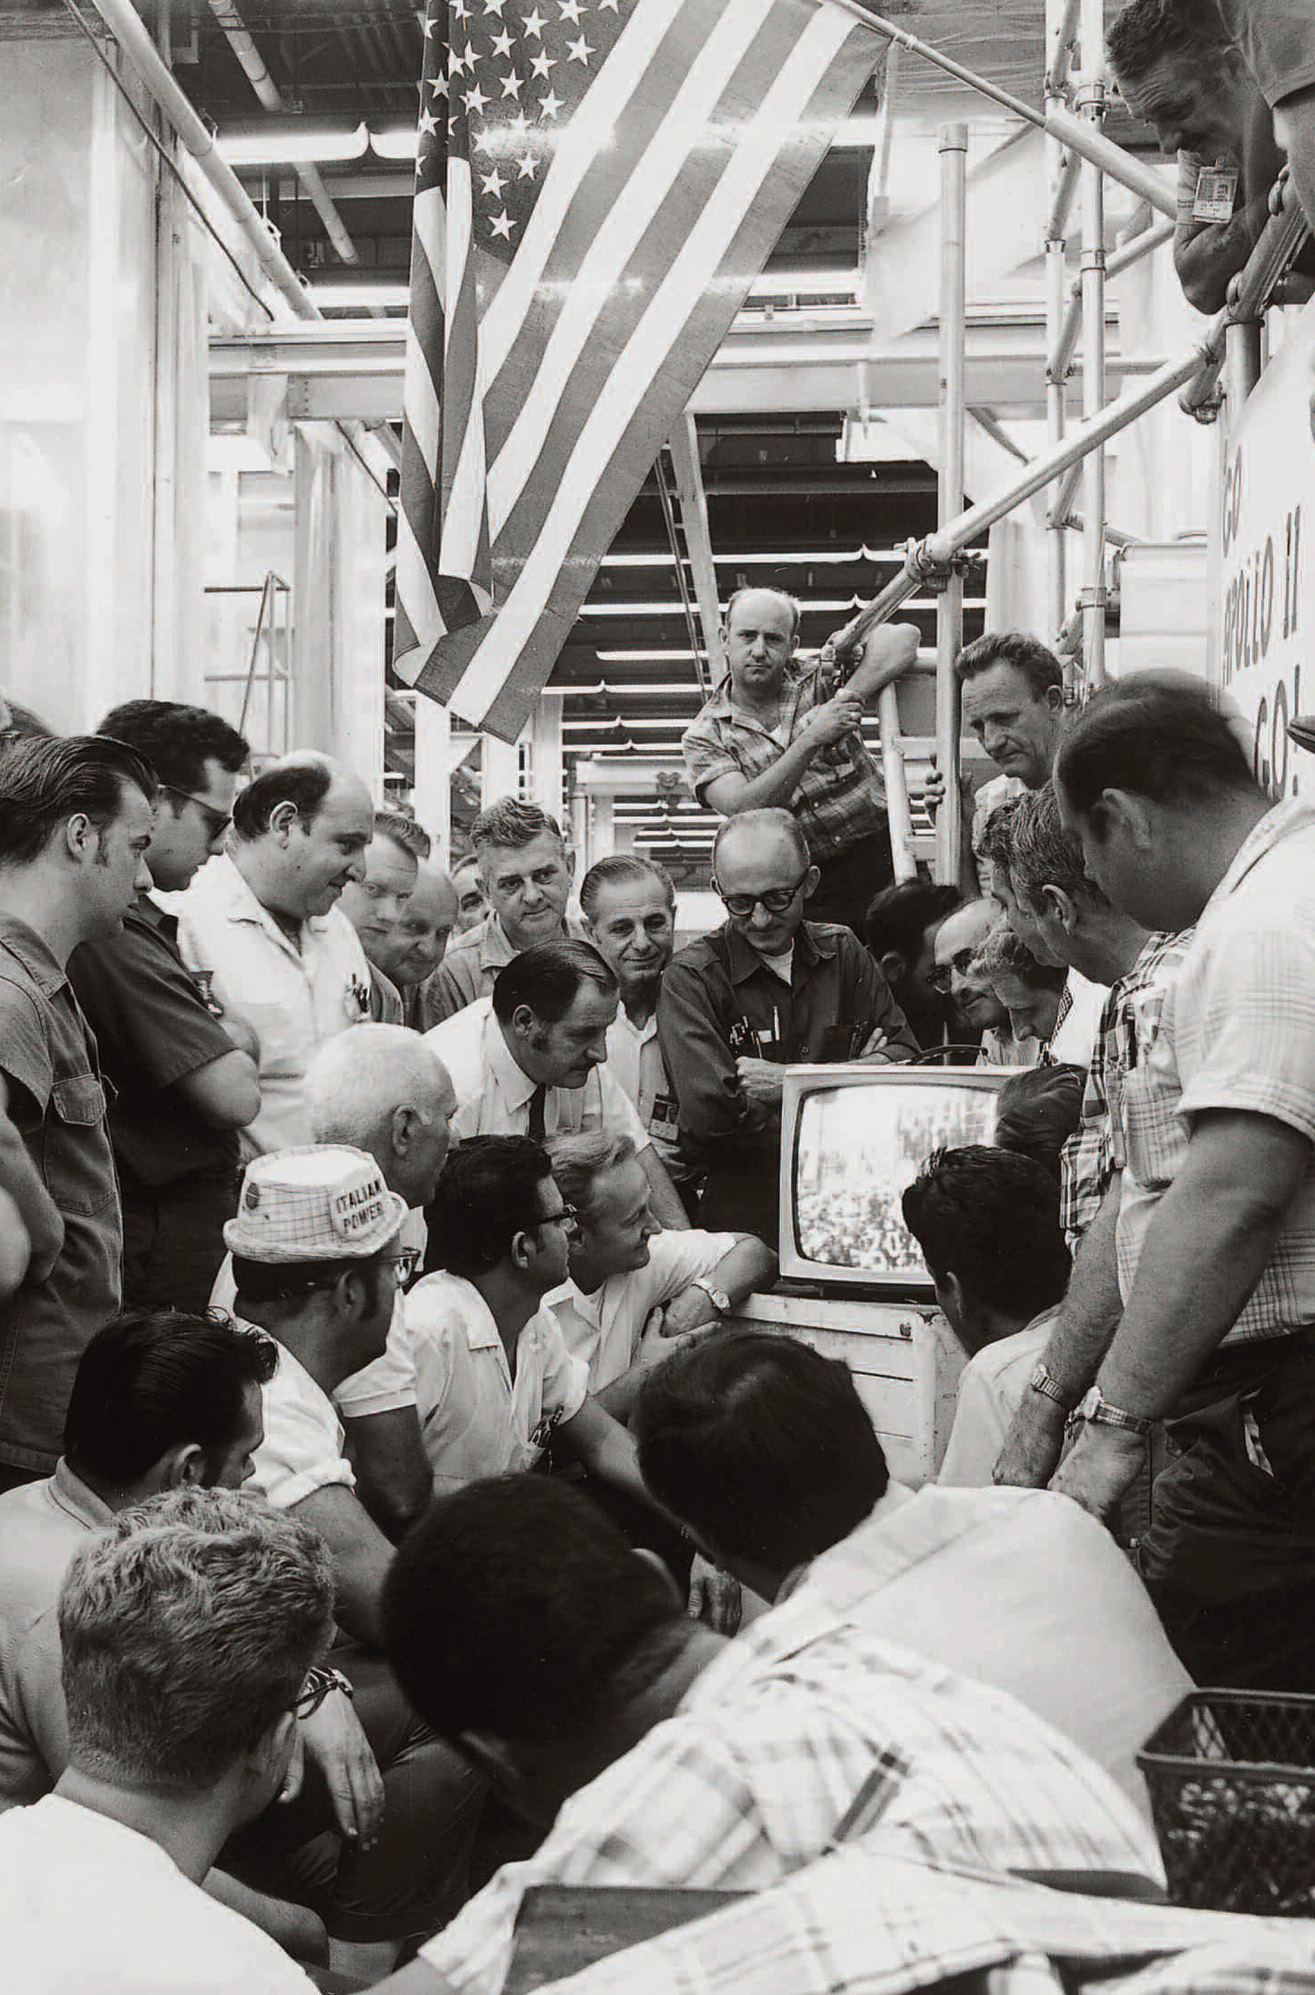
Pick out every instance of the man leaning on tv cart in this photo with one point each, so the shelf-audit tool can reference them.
(763, 991)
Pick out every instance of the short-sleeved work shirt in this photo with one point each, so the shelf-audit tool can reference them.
(152, 1029)
(1277, 41)
(1236, 1031)
(303, 1448)
(605, 1328)
(719, 998)
(840, 797)
(494, 1094)
(57, 1104)
(470, 966)
(476, 1420)
(293, 998)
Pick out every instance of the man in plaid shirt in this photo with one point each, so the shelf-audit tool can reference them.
(775, 735)
(519, 1620)
(1212, 1280)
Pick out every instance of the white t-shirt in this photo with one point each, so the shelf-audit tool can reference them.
(89, 1907)
(294, 999)
(494, 1094)
(1074, 1039)
(990, 1390)
(605, 1328)
(303, 1446)
(475, 1421)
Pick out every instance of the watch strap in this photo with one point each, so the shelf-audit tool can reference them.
(718, 1297)
(1045, 1383)
(1098, 1412)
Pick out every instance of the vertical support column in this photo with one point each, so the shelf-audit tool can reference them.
(1241, 363)
(1059, 32)
(500, 768)
(433, 774)
(546, 734)
(952, 143)
(1091, 105)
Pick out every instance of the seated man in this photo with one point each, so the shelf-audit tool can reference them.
(375, 904)
(494, 1380)
(520, 1621)
(531, 1060)
(1030, 992)
(987, 1222)
(900, 929)
(623, 1268)
(164, 1401)
(764, 1451)
(977, 1012)
(739, 1005)
(189, 1633)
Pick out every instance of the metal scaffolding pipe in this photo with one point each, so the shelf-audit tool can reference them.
(1061, 25)
(952, 144)
(1056, 423)
(129, 31)
(1057, 219)
(923, 558)
(1144, 244)
(1091, 97)
(1241, 363)
(1058, 55)
(1279, 242)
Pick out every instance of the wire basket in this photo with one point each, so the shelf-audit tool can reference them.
(1231, 1775)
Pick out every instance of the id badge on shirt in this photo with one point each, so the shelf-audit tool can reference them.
(1216, 192)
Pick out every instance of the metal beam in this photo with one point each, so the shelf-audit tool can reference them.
(684, 447)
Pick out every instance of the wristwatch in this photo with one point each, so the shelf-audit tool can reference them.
(1049, 1387)
(1098, 1412)
(718, 1297)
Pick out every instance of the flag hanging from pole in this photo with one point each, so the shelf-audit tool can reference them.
(598, 183)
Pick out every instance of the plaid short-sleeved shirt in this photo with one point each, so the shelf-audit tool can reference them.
(1088, 1159)
(840, 797)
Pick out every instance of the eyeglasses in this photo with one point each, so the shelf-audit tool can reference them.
(216, 821)
(403, 1265)
(939, 978)
(776, 900)
(319, 1684)
(568, 1218)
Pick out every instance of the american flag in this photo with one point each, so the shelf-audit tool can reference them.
(598, 183)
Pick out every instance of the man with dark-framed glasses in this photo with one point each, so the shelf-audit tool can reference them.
(765, 990)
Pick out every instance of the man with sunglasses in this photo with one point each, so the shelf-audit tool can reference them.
(766, 990)
(183, 1081)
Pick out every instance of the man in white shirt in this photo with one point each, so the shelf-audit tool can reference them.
(987, 1222)
(531, 1059)
(519, 1619)
(623, 1268)
(764, 1451)
(260, 930)
(629, 907)
(494, 1379)
(190, 1632)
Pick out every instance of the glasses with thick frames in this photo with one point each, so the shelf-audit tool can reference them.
(776, 900)
(216, 821)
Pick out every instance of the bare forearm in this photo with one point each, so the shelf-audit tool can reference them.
(663, 1198)
(777, 785)
(1090, 1316)
(750, 1266)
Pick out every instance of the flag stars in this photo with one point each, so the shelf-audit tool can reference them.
(579, 51)
(476, 100)
(519, 126)
(438, 84)
(535, 24)
(502, 46)
(428, 124)
(550, 105)
(460, 10)
(542, 63)
(501, 225)
(570, 11)
(458, 61)
(528, 165)
(511, 85)
(494, 7)
(493, 184)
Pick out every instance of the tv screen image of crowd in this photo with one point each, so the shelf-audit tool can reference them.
(858, 1147)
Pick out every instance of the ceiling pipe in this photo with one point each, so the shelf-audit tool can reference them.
(267, 91)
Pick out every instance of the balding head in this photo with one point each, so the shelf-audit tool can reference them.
(423, 929)
(761, 853)
(302, 829)
(958, 940)
(381, 1089)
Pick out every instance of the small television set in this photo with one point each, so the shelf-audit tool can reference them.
(852, 1138)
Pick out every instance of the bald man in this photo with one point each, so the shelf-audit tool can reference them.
(780, 737)
(428, 921)
(262, 933)
(958, 943)
(764, 991)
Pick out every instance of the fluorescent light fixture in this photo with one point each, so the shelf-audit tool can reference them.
(277, 142)
(358, 293)
(400, 143)
(781, 283)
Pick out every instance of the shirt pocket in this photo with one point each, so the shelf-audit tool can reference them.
(76, 1164)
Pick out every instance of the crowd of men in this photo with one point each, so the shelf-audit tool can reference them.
(382, 1479)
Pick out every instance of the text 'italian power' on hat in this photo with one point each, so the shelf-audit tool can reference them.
(325, 1203)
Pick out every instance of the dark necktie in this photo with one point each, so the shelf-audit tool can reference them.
(538, 1103)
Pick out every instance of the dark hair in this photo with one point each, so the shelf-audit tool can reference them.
(547, 979)
(291, 1281)
(45, 782)
(1161, 735)
(1038, 1109)
(489, 1190)
(1149, 30)
(513, 825)
(19, 723)
(186, 1629)
(516, 1607)
(898, 917)
(992, 1219)
(1028, 655)
(768, 589)
(1042, 854)
(177, 740)
(619, 869)
(304, 785)
(403, 831)
(156, 1379)
(995, 840)
(759, 1444)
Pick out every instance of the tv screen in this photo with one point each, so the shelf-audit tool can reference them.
(858, 1139)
